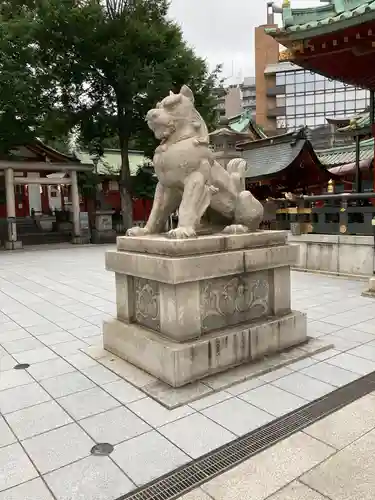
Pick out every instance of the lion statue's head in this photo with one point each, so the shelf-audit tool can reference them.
(175, 116)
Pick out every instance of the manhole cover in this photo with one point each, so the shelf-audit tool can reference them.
(102, 449)
(22, 366)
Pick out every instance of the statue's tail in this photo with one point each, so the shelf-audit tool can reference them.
(237, 170)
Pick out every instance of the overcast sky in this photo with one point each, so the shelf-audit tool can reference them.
(222, 31)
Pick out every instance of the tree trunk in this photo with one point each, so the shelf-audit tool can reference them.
(125, 186)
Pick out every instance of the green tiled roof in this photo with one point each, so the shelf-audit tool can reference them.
(329, 17)
(358, 122)
(340, 155)
(244, 121)
(110, 162)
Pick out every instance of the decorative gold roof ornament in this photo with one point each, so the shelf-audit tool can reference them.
(286, 55)
(286, 4)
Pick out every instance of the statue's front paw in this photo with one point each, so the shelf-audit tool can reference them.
(137, 231)
(181, 233)
(236, 229)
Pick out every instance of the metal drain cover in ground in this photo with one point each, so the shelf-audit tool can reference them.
(22, 366)
(102, 449)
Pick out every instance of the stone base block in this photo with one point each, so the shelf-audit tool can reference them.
(371, 290)
(179, 363)
(103, 237)
(13, 245)
(80, 240)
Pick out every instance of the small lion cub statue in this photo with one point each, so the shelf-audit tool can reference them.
(190, 179)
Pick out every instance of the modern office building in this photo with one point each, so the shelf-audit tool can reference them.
(289, 97)
(306, 98)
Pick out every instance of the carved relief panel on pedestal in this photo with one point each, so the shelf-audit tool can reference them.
(235, 299)
(147, 303)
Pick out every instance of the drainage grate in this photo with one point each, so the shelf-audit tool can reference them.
(192, 475)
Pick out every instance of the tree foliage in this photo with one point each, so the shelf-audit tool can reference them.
(98, 66)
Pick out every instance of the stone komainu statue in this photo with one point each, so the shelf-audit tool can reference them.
(190, 179)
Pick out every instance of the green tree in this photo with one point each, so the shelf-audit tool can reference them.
(27, 100)
(112, 60)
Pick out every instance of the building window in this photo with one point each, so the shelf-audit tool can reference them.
(310, 86)
(280, 78)
(300, 100)
(280, 101)
(360, 104)
(290, 77)
(300, 77)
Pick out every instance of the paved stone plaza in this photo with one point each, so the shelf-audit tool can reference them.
(52, 304)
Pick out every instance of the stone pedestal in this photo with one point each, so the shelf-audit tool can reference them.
(103, 232)
(190, 308)
(371, 290)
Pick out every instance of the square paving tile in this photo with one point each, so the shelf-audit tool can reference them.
(7, 362)
(12, 335)
(364, 351)
(155, 414)
(321, 327)
(333, 375)
(67, 348)
(55, 338)
(354, 335)
(352, 363)
(15, 466)
(210, 400)
(93, 478)
(346, 425)
(6, 435)
(32, 490)
(237, 416)
(322, 356)
(274, 375)
(100, 375)
(273, 400)
(35, 355)
(25, 344)
(59, 447)
(43, 329)
(84, 331)
(341, 344)
(114, 426)
(349, 475)
(297, 491)
(242, 387)
(14, 378)
(303, 363)
(124, 392)
(37, 419)
(196, 434)
(79, 360)
(21, 397)
(63, 385)
(147, 457)
(86, 403)
(303, 386)
(51, 368)
(267, 472)
(366, 326)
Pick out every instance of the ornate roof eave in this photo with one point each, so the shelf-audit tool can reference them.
(301, 24)
(228, 132)
(290, 137)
